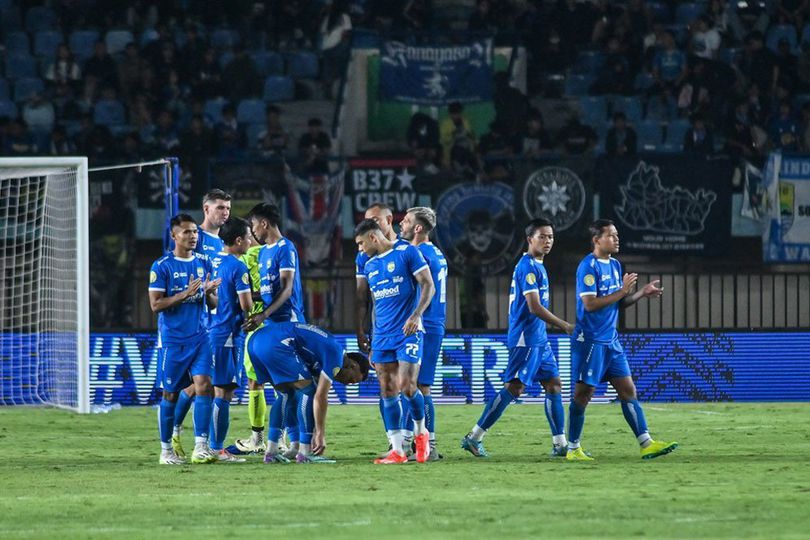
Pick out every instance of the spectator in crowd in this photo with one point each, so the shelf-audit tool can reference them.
(705, 39)
(197, 141)
(18, 140)
(481, 19)
(621, 138)
(417, 14)
(576, 137)
(511, 105)
(102, 67)
(497, 148)
(64, 69)
(783, 129)
(206, 79)
(458, 141)
(804, 128)
(423, 140)
(695, 95)
(698, 139)
(240, 77)
(64, 104)
(274, 140)
(59, 144)
(335, 38)
(758, 64)
(314, 147)
(669, 66)
(228, 134)
(164, 137)
(39, 114)
(614, 78)
(786, 63)
(793, 12)
(129, 71)
(739, 133)
(535, 140)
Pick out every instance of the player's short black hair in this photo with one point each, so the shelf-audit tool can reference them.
(381, 206)
(362, 361)
(216, 195)
(235, 227)
(267, 211)
(367, 225)
(179, 219)
(535, 224)
(596, 228)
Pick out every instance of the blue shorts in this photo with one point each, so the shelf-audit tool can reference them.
(226, 366)
(529, 364)
(182, 362)
(595, 363)
(398, 349)
(283, 367)
(431, 356)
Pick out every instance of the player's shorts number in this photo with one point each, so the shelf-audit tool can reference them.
(412, 349)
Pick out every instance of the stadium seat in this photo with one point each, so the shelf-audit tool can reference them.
(650, 136)
(676, 130)
(630, 106)
(643, 82)
(278, 88)
(577, 85)
(224, 39)
(681, 33)
(730, 55)
(46, 42)
(778, 33)
(21, 66)
(17, 43)
(109, 113)
(147, 36)
(8, 109)
(24, 89)
(40, 18)
(213, 110)
(303, 65)
(660, 12)
(594, 110)
(365, 39)
(10, 20)
(250, 111)
(4, 90)
(268, 63)
(82, 43)
(589, 62)
(224, 59)
(805, 38)
(687, 12)
(117, 40)
(253, 132)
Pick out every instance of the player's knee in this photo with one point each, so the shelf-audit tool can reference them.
(626, 394)
(552, 387)
(515, 388)
(408, 388)
(203, 388)
(170, 396)
(583, 394)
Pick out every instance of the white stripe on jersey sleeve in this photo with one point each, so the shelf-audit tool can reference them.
(157, 289)
(425, 267)
(587, 293)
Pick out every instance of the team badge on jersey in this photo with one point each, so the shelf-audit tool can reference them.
(152, 277)
(531, 279)
(245, 279)
(200, 272)
(391, 267)
(589, 279)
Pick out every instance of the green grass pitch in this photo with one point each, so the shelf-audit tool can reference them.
(743, 471)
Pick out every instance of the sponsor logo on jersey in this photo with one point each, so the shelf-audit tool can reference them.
(387, 292)
(589, 280)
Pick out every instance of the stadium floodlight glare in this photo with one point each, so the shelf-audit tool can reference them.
(44, 282)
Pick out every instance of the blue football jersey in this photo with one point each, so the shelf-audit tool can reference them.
(208, 244)
(525, 328)
(436, 313)
(226, 320)
(182, 324)
(272, 260)
(318, 350)
(598, 277)
(361, 259)
(392, 282)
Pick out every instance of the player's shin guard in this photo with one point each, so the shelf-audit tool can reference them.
(276, 421)
(416, 406)
(493, 410)
(166, 423)
(306, 417)
(184, 403)
(407, 418)
(576, 421)
(430, 416)
(291, 417)
(202, 418)
(392, 415)
(555, 413)
(634, 415)
(257, 409)
(220, 420)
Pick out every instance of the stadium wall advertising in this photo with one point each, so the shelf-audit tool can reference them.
(668, 367)
(786, 235)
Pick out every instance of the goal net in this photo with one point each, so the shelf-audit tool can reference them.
(44, 274)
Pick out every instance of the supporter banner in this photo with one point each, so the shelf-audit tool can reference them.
(436, 75)
(389, 181)
(703, 367)
(668, 203)
(786, 236)
(149, 182)
(477, 228)
(559, 189)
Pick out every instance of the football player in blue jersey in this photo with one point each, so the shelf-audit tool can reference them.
(530, 355)
(179, 287)
(216, 209)
(225, 326)
(596, 354)
(283, 297)
(304, 360)
(402, 288)
(416, 227)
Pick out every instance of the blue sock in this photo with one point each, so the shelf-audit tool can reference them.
(555, 413)
(392, 413)
(291, 417)
(202, 415)
(184, 403)
(634, 415)
(306, 415)
(166, 420)
(417, 407)
(430, 414)
(406, 420)
(494, 409)
(276, 418)
(576, 421)
(220, 420)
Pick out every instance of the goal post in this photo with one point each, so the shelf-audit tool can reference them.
(44, 282)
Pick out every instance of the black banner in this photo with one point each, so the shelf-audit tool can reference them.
(668, 203)
(389, 181)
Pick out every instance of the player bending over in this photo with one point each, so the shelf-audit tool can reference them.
(530, 355)
(596, 354)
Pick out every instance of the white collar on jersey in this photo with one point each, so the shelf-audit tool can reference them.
(212, 235)
(381, 255)
(184, 259)
(605, 261)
